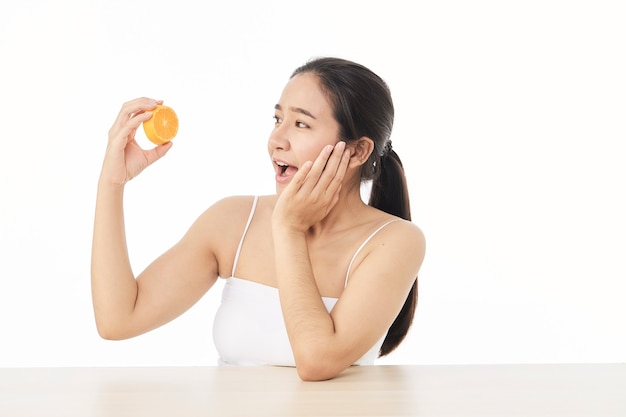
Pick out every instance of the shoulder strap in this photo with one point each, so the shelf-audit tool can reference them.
(363, 245)
(245, 230)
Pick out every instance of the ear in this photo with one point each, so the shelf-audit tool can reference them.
(360, 151)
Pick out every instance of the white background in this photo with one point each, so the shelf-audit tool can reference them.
(510, 120)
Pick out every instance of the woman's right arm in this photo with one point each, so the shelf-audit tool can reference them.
(126, 306)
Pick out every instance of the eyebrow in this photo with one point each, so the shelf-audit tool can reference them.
(297, 110)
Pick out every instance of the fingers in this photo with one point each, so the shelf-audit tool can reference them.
(132, 114)
(335, 169)
(136, 106)
(300, 178)
(126, 131)
(328, 171)
(158, 152)
(313, 175)
(133, 108)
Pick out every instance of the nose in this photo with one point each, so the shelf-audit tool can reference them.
(279, 138)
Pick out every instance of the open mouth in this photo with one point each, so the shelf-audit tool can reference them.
(282, 167)
(285, 170)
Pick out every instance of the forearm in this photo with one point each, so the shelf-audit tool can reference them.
(114, 288)
(309, 325)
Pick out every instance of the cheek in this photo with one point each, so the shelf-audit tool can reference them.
(308, 147)
(310, 152)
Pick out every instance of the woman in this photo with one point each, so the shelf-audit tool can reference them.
(315, 278)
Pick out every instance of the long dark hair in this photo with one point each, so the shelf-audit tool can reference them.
(362, 106)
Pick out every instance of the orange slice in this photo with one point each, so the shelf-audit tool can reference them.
(162, 126)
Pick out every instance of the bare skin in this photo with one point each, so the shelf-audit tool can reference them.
(300, 241)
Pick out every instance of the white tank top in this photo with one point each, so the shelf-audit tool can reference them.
(249, 330)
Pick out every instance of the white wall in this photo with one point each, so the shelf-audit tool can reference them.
(510, 122)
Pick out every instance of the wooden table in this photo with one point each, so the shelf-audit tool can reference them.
(417, 390)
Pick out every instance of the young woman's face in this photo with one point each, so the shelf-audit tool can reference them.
(304, 125)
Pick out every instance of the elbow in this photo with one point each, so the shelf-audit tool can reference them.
(114, 326)
(318, 367)
(109, 336)
(109, 332)
(313, 374)
(316, 372)
(321, 359)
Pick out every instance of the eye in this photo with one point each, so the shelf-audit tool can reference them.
(277, 120)
(302, 125)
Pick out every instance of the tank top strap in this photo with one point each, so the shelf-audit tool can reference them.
(363, 245)
(243, 235)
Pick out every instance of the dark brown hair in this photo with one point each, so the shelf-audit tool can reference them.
(362, 106)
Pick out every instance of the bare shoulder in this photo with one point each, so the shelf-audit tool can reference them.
(221, 220)
(225, 216)
(410, 230)
(407, 234)
(217, 230)
(400, 241)
(232, 207)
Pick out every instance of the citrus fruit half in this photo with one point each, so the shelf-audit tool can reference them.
(162, 126)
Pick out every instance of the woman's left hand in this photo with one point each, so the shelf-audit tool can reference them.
(313, 191)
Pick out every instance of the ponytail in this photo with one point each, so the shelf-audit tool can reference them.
(389, 193)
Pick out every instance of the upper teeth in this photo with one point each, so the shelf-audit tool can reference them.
(281, 164)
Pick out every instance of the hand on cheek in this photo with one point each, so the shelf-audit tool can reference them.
(314, 190)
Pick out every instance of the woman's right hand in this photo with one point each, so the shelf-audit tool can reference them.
(124, 158)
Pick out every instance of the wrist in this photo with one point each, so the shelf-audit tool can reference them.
(106, 184)
(286, 230)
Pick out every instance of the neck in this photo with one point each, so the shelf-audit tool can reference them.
(343, 215)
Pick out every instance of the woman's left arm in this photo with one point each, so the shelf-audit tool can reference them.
(325, 344)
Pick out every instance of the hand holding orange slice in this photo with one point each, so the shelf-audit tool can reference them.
(162, 126)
